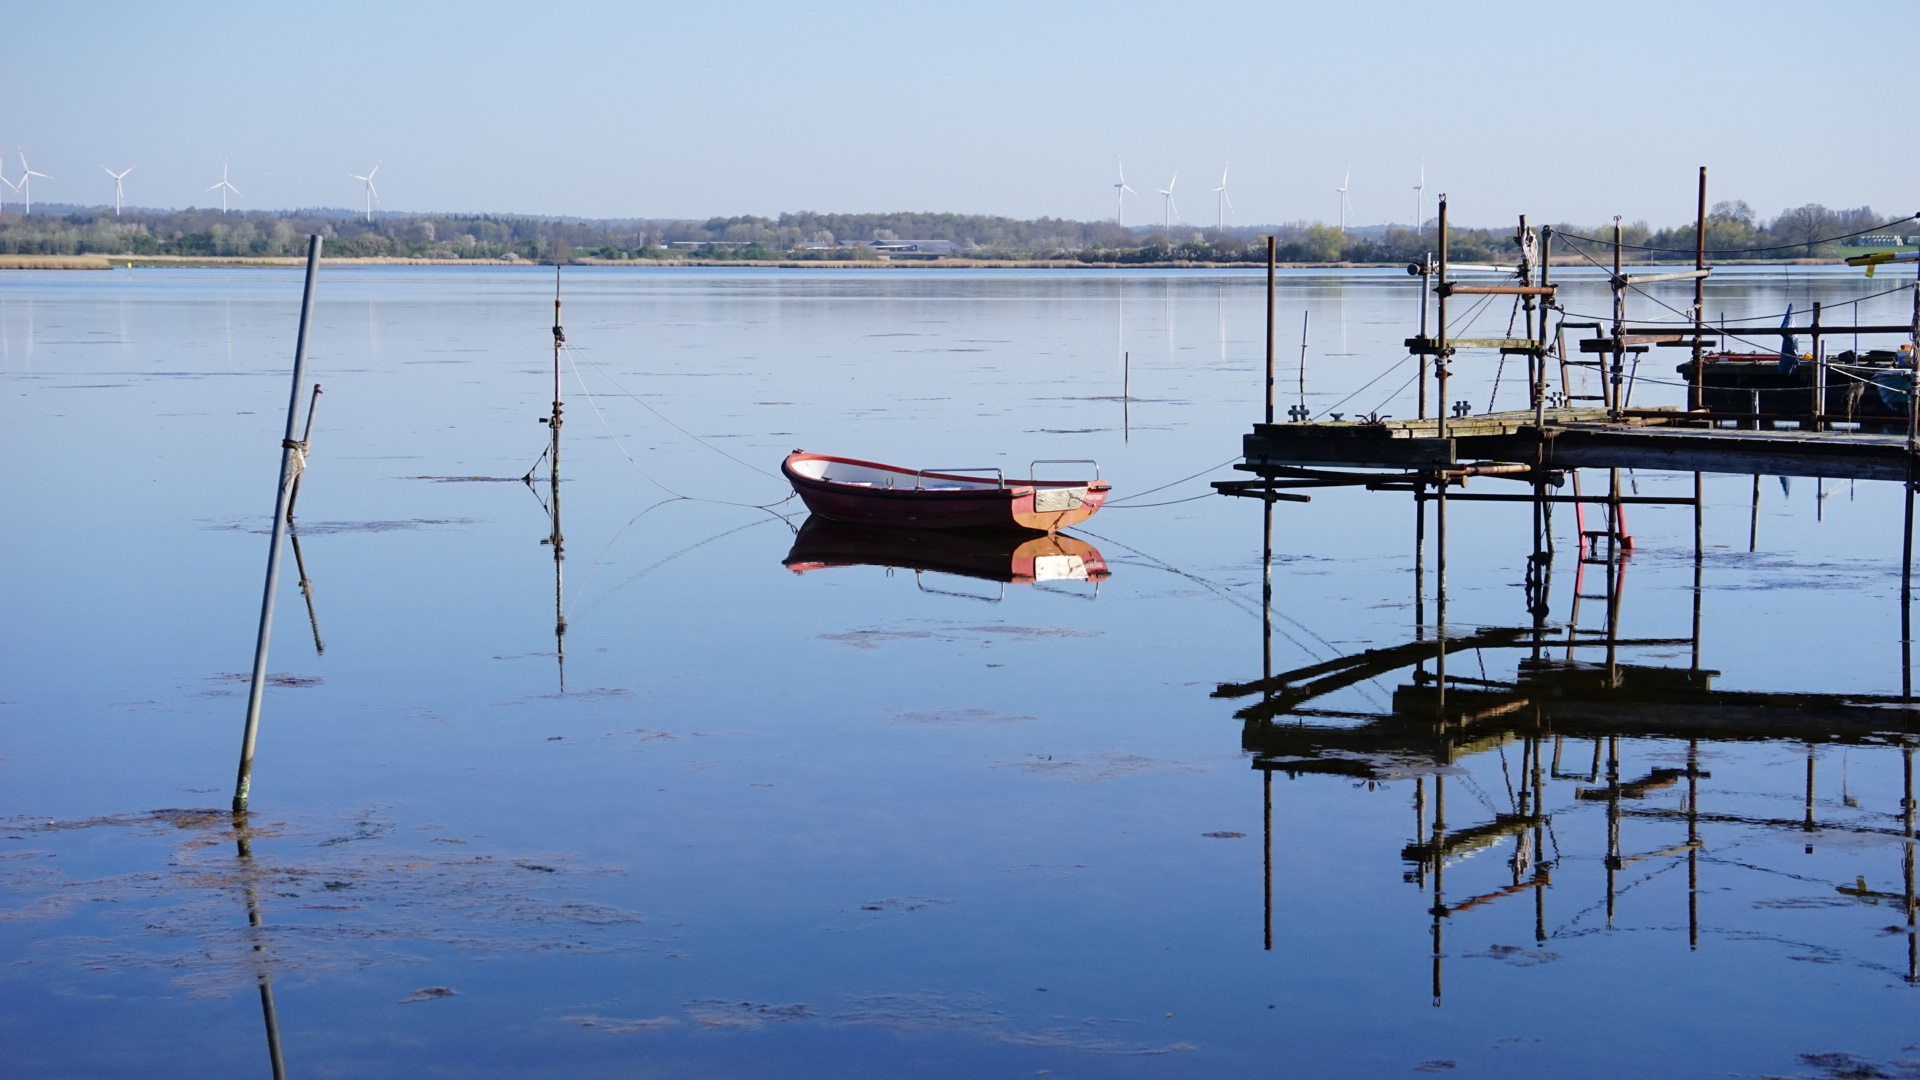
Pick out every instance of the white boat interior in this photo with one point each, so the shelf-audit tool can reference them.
(886, 476)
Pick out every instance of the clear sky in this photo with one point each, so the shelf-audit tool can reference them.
(1569, 111)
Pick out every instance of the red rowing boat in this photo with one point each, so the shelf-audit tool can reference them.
(866, 492)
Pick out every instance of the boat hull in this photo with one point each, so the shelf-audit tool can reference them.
(905, 499)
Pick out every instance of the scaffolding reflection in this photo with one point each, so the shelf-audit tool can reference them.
(1569, 685)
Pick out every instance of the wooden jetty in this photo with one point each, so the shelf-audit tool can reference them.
(1730, 425)
(1289, 455)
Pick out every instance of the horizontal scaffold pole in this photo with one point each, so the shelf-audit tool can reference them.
(1451, 289)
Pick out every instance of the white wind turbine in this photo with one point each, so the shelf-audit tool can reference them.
(1420, 199)
(1225, 201)
(119, 193)
(25, 186)
(373, 196)
(1168, 192)
(4, 180)
(1345, 204)
(223, 187)
(1120, 192)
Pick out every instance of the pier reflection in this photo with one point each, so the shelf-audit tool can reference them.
(1020, 558)
(1608, 751)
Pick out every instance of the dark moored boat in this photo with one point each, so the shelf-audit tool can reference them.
(866, 492)
(1871, 386)
(1006, 556)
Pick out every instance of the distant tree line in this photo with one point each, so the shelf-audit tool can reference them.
(1733, 231)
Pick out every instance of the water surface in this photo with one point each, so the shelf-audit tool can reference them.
(861, 821)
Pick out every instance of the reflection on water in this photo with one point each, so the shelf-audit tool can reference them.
(658, 802)
(1007, 557)
(1596, 838)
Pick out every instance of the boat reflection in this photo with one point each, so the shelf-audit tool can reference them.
(1638, 806)
(1019, 558)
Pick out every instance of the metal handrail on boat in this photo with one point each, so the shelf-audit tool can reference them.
(994, 469)
(961, 595)
(1063, 461)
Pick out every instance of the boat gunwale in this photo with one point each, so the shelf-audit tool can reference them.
(1006, 488)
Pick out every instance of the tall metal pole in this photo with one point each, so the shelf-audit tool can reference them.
(243, 784)
(553, 486)
(1614, 405)
(1426, 287)
(1699, 397)
(1540, 348)
(1440, 350)
(1913, 388)
(1819, 373)
(1535, 362)
(1271, 242)
(1303, 363)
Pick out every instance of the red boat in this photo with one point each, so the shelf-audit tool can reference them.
(869, 493)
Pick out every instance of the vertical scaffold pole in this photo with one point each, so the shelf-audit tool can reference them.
(1271, 254)
(1440, 350)
(1698, 398)
(1614, 404)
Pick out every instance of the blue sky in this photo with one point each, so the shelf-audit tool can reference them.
(689, 110)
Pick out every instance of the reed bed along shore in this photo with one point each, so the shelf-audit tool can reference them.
(112, 262)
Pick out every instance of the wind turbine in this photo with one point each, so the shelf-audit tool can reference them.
(119, 194)
(223, 187)
(1345, 204)
(1120, 192)
(373, 196)
(25, 186)
(1171, 209)
(1420, 198)
(1225, 201)
(4, 180)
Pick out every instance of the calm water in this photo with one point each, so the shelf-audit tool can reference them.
(855, 821)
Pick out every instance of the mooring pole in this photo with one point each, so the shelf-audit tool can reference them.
(553, 486)
(1699, 396)
(1441, 354)
(243, 784)
(1271, 249)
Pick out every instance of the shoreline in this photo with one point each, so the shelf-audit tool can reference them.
(119, 262)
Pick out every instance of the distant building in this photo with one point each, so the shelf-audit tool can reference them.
(907, 249)
(687, 245)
